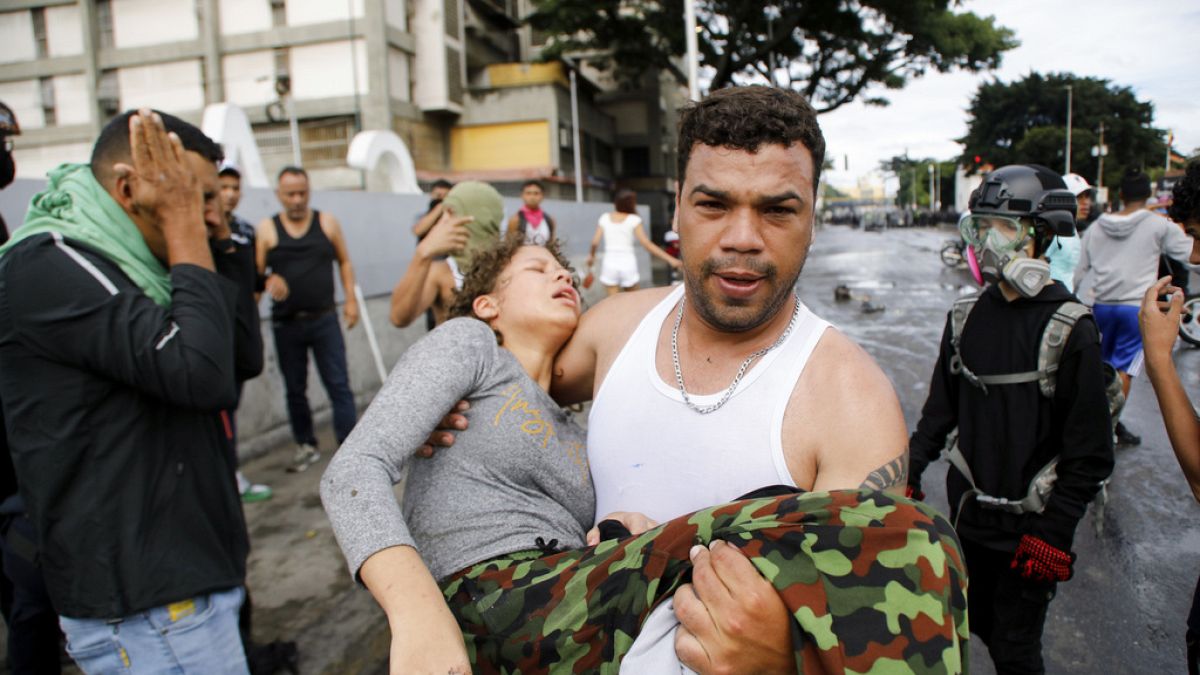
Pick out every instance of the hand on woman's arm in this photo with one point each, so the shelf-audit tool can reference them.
(1159, 330)
(425, 636)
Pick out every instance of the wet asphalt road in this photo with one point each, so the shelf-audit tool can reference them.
(1124, 611)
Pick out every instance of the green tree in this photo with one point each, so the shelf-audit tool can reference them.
(1024, 122)
(913, 175)
(831, 51)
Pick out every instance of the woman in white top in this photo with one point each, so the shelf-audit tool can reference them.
(618, 229)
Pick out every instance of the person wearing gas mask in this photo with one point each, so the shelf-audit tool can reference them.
(1019, 390)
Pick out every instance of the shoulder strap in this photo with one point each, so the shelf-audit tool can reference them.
(958, 317)
(958, 320)
(550, 222)
(524, 224)
(278, 228)
(1054, 341)
(1050, 348)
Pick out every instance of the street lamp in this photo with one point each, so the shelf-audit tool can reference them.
(1070, 97)
(931, 187)
(693, 59)
(1099, 151)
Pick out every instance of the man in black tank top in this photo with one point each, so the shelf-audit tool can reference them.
(299, 246)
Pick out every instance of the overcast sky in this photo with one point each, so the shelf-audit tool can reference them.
(1152, 46)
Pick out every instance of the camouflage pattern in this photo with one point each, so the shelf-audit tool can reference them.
(876, 584)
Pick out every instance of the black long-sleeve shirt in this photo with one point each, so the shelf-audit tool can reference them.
(111, 405)
(1009, 433)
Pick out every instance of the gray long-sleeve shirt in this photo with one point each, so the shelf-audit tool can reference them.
(519, 472)
(1118, 259)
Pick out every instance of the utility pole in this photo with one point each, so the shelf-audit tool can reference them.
(575, 140)
(1170, 139)
(931, 187)
(693, 57)
(1070, 97)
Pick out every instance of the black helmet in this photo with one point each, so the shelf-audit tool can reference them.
(8, 122)
(1028, 190)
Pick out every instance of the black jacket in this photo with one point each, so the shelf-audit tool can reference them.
(1012, 431)
(111, 405)
(234, 260)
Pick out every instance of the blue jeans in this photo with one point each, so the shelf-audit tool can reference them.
(323, 335)
(199, 635)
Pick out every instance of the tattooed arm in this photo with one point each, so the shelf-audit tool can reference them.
(843, 428)
(889, 476)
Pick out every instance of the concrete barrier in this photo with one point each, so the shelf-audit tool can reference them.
(378, 234)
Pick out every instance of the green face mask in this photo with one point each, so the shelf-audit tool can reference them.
(483, 203)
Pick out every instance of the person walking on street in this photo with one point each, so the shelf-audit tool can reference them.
(1120, 255)
(1019, 386)
(299, 247)
(619, 229)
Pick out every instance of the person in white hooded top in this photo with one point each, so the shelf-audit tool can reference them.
(1063, 253)
(1120, 254)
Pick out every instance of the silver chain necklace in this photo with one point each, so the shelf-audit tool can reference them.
(704, 410)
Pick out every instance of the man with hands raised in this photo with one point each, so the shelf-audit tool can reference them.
(109, 293)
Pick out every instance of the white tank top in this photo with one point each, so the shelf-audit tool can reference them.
(652, 454)
(618, 237)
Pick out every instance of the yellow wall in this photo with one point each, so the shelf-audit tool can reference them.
(522, 74)
(500, 146)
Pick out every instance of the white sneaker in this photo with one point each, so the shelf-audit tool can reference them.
(306, 455)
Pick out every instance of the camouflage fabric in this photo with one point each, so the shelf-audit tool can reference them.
(875, 583)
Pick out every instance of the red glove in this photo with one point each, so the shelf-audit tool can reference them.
(1036, 560)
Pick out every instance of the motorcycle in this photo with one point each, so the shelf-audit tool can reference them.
(953, 253)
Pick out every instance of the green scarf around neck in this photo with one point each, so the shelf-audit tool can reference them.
(76, 206)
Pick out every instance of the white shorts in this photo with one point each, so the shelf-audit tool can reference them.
(619, 269)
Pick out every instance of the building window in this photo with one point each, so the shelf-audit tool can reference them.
(281, 62)
(453, 15)
(278, 12)
(635, 162)
(454, 79)
(104, 23)
(108, 94)
(39, 32)
(604, 153)
(48, 111)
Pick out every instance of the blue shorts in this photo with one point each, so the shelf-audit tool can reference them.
(1120, 337)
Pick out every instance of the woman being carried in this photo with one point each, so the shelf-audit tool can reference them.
(503, 581)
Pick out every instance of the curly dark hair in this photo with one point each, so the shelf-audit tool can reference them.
(484, 273)
(744, 118)
(1185, 198)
